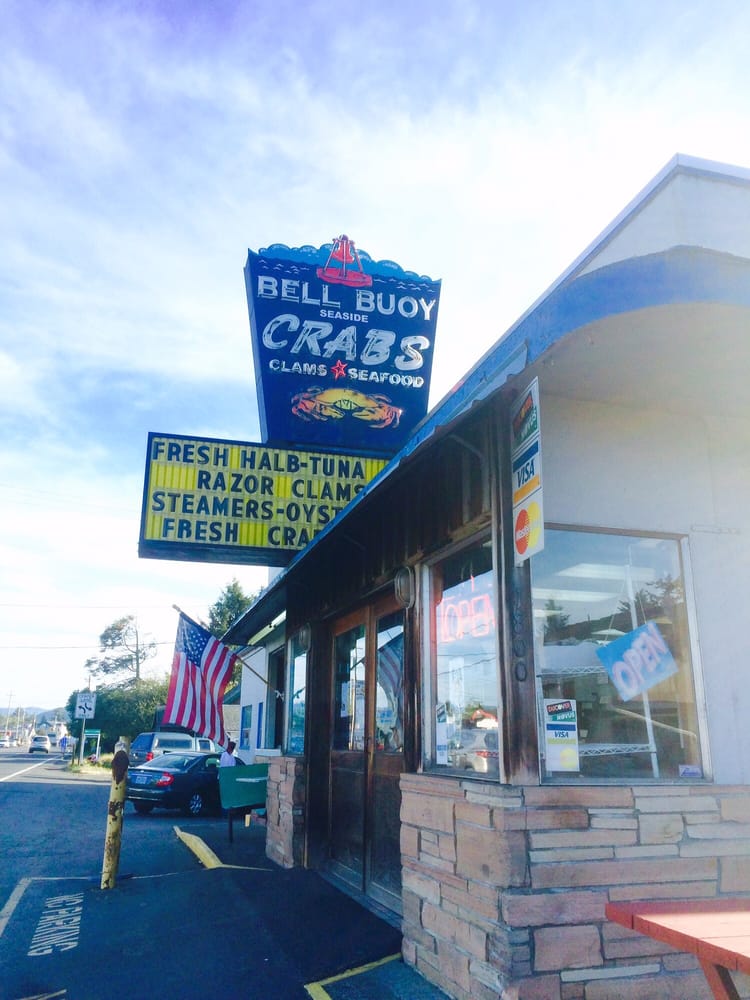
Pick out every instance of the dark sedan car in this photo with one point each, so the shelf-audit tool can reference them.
(187, 781)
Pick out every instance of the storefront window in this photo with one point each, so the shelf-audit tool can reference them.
(246, 727)
(465, 663)
(295, 723)
(615, 692)
(276, 688)
(349, 690)
(389, 706)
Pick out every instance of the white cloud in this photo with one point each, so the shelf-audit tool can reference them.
(482, 143)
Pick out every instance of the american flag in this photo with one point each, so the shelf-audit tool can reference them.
(201, 669)
(391, 667)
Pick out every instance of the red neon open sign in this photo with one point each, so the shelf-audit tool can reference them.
(459, 618)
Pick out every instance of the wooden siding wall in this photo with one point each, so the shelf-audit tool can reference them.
(440, 498)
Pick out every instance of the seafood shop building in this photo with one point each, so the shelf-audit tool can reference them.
(515, 689)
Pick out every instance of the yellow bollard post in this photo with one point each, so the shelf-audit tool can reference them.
(115, 815)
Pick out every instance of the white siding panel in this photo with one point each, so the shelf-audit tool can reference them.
(652, 471)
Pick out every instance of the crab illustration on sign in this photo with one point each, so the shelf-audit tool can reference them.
(344, 253)
(334, 404)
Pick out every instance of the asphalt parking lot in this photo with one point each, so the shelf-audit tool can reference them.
(211, 918)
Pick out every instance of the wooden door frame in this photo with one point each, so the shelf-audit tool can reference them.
(367, 614)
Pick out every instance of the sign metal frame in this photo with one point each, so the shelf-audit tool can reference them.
(216, 500)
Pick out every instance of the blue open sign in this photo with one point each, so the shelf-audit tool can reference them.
(637, 661)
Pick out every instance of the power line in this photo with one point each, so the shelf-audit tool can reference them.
(87, 607)
(36, 497)
(166, 642)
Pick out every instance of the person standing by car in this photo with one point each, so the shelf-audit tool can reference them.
(227, 758)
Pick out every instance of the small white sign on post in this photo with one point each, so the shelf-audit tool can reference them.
(85, 705)
(526, 474)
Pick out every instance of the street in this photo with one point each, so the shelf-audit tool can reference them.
(53, 823)
(170, 928)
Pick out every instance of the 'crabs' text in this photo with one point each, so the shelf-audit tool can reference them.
(316, 338)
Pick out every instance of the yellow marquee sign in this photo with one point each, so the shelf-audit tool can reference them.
(229, 501)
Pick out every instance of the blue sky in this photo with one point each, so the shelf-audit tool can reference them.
(144, 146)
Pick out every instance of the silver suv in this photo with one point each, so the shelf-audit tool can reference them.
(146, 746)
(40, 743)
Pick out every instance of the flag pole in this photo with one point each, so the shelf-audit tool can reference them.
(246, 665)
(194, 622)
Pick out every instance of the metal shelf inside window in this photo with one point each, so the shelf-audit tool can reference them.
(599, 748)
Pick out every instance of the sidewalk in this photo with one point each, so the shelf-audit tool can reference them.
(355, 953)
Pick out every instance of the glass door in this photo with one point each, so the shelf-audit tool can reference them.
(367, 751)
(347, 804)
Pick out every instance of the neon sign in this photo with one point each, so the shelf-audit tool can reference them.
(342, 346)
(462, 616)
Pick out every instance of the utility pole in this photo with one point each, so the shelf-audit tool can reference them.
(137, 652)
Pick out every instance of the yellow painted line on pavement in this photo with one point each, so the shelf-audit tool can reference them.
(317, 990)
(206, 856)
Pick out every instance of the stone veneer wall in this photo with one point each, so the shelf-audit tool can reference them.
(504, 888)
(285, 810)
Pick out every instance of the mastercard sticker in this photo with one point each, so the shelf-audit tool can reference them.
(527, 530)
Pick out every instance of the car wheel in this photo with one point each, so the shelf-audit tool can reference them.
(195, 804)
(143, 807)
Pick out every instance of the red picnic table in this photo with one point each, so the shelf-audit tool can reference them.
(717, 931)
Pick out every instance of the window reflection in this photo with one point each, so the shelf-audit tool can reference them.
(389, 705)
(466, 674)
(349, 690)
(296, 701)
(246, 727)
(603, 710)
